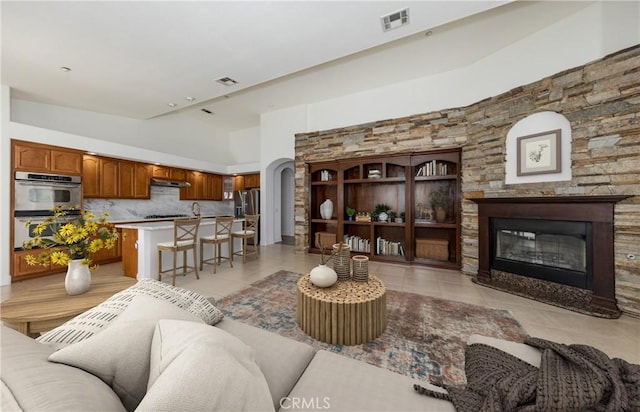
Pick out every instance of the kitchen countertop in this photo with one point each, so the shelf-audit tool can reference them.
(163, 224)
(143, 220)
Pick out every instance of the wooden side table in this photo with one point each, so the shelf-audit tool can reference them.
(347, 313)
(45, 308)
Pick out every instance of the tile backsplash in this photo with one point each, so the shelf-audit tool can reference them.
(164, 201)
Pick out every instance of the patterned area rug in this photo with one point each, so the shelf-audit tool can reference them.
(424, 335)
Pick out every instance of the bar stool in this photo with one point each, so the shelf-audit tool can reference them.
(185, 237)
(249, 231)
(221, 235)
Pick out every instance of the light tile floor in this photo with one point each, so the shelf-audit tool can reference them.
(616, 337)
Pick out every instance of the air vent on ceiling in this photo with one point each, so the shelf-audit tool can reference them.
(207, 111)
(394, 20)
(227, 81)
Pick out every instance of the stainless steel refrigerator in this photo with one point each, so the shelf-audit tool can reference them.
(247, 202)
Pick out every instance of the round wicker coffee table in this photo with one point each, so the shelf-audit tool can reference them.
(347, 313)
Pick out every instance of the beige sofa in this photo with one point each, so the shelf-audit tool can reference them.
(159, 353)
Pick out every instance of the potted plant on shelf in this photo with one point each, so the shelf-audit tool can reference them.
(74, 238)
(350, 213)
(392, 216)
(400, 218)
(380, 212)
(440, 203)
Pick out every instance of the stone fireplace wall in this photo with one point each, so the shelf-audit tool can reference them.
(601, 100)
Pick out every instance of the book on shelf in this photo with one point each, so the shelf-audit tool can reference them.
(389, 248)
(432, 168)
(357, 244)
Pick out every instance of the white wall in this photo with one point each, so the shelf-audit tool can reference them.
(5, 187)
(277, 130)
(243, 147)
(188, 134)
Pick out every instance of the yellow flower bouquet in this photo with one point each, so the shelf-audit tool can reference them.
(73, 237)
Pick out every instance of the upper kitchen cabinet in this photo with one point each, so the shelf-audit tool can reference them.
(204, 186)
(34, 157)
(134, 180)
(252, 181)
(105, 177)
(166, 172)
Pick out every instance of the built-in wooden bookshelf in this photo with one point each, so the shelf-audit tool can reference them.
(407, 184)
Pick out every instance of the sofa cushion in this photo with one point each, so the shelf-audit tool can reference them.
(35, 384)
(201, 368)
(97, 319)
(281, 360)
(120, 354)
(337, 383)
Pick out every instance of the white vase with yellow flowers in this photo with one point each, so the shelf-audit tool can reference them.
(75, 237)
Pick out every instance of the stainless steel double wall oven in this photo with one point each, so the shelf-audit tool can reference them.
(36, 194)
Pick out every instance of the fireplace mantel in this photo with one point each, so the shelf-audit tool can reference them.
(596, 210)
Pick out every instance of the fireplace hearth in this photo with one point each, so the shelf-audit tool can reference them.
(557, 250)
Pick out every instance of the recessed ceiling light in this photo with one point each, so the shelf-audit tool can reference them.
(92, 153)
(171, 104)
(227, 81)
(65, 69)
(429, 33)
(189, 98)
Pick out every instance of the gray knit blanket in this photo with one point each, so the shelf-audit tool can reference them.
(570, 378)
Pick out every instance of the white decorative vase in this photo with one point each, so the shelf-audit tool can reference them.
(323, 276)
(326, 209)
(78, 279)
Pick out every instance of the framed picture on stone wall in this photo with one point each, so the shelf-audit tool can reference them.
(539, 153)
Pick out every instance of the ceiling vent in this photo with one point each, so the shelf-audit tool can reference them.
(394, 20)
(227, 81)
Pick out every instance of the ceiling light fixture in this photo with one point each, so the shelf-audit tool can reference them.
(394, 20)
(207, 111)
(190, 99)
(429, 33)
(65, 69)
(172, 105)
(227, 81)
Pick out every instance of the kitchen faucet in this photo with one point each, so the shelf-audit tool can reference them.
(195, 209)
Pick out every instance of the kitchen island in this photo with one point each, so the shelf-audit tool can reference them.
(140, 240)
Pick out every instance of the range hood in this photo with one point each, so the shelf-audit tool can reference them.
(169, 183)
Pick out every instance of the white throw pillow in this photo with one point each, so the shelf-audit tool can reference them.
(97, 319)
(203, 368)
(120, 354)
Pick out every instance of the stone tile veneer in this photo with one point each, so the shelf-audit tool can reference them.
(601, 100)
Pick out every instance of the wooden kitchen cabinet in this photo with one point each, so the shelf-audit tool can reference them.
(196, 190)
(204, 186)
(34, 157)
(238, 183)
(166, 172)
(109, 177)
(217, 192)
(252, 181)
(126, 179)
(129, 241)
(105, 177)
(142, 188)
(109, 255)
(22, 270)
(162, 172)
(90, 176)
